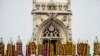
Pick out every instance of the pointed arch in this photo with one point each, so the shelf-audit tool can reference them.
(56, 23)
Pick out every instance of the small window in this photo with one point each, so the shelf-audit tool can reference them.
(37, 6)
(51, 30)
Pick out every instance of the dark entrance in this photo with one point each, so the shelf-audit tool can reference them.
(47, 47)
(54, 45)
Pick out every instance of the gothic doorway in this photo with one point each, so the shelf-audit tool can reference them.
(49, 47)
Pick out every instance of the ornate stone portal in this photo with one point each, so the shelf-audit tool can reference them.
(52, 28)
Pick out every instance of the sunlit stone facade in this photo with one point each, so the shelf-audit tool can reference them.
(31, 48)
(96, 47)
(19, 50)
(52, 28)
(10, 48)
(83, 48)
(1, 47)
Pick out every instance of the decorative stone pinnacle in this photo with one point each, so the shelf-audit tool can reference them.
(10, 41)
(51, 1)
(34, 1)
(96, 39)
(68, 2)
(19, 40)
(1, 40)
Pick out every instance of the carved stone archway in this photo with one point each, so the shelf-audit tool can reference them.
(51, 23)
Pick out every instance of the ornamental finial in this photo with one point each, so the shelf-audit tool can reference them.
(1, 40)
(69, 2)
(19, 40)
(96, 39)
(51, 1)
(34, 1)
(10, 41)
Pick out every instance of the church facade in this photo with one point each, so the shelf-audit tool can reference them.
(52, 29)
